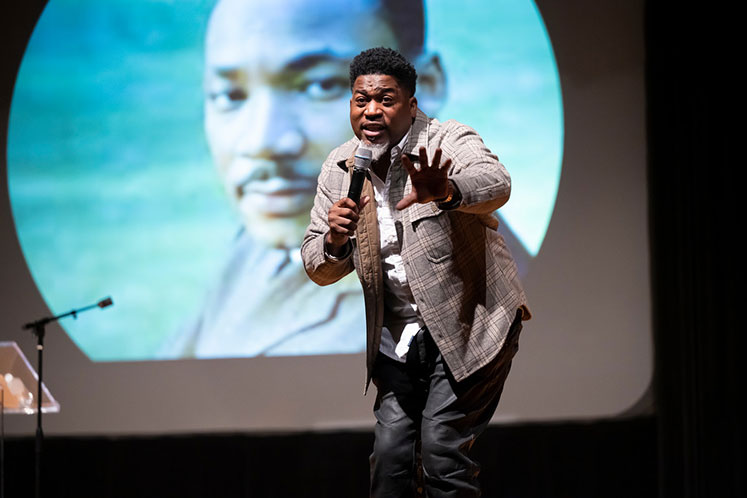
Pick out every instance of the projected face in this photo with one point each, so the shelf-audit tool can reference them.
(273, 115)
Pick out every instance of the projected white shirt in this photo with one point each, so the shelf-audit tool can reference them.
(263, 304)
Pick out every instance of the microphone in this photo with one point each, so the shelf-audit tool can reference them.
(361, 167)
(105, 302)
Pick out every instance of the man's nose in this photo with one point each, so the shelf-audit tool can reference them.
(271, 131)
(372, 109)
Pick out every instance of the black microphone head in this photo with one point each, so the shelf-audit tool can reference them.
(105, 302)
(363, 158)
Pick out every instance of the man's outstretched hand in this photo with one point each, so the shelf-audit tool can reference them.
(429, 183)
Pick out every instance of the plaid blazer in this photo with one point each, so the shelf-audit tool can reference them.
(460, 271)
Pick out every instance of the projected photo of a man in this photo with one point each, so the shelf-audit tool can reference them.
(276, 99)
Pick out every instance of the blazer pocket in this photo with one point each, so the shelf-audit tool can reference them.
(434, 234)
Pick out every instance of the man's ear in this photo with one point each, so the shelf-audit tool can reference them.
(431, 90)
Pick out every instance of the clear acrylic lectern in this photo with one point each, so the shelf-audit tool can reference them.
(18, 381)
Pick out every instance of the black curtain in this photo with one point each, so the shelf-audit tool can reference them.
(603, 459)
(694, 185)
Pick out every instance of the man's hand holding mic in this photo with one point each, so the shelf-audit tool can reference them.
(343, 215)
(343, 220)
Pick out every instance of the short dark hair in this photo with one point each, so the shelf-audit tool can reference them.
(382, 60)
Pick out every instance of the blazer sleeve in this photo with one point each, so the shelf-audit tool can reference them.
(320, 267)
(482, 180)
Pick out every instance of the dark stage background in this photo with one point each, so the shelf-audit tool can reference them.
(692, 446)
(581, 460)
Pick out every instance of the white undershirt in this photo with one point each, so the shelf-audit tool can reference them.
(401, 321)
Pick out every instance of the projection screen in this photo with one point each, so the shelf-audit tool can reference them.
(140, 139)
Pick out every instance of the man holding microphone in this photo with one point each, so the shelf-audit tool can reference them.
(444, 305)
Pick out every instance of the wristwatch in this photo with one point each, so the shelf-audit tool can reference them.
(449, 194)
(452, 200)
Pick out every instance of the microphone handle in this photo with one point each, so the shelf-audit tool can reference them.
(356, 184)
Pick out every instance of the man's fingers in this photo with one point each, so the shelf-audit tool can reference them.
(423, 158)
(344, 230)
(364, 200)
(436, 158)
(346, 203)
(344, 226)
(408, 165)
(446, 165)
(343, 214)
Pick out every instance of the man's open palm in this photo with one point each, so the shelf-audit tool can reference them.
(429, 183)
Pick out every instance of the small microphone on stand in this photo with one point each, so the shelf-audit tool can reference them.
(361, 167)
(38, 328)
(107, 301)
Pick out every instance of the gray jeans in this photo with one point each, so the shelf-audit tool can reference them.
(421, 408)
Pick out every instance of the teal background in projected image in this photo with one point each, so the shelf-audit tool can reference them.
(112, 185)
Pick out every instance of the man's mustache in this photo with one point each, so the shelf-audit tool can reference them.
(267, 176)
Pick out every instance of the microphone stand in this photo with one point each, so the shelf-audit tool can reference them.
(38, 329)
(2, 442)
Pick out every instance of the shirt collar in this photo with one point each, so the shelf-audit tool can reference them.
(396, 151)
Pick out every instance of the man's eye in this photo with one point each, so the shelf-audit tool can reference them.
(326, 89)
(229, 99)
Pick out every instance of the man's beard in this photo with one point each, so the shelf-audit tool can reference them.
(377, 150)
